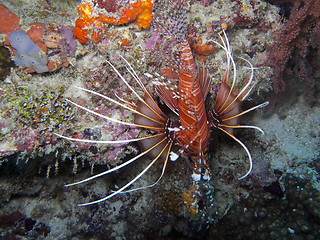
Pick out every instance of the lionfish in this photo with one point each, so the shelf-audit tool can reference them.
(188, 103)
(191, 132)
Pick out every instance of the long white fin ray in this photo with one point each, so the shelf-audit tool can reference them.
(162, 173)
(128, 184)
(245, 148)
(109, 141)
(117, 167)
(118, 103)
(112, 119)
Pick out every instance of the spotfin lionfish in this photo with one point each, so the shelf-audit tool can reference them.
(191, 132)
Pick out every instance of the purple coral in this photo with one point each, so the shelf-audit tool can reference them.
(154, 40)
(68, 43)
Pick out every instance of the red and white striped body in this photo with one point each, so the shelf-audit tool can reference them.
(194, 138)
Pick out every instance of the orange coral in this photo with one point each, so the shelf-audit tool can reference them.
(86, 22)
(201, 50)
(79, 31)
(189, 199)
(140, 12)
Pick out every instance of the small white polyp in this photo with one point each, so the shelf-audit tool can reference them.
(196, 177)
(173, 156)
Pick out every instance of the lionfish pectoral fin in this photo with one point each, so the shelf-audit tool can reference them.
(227, 102)
(231, 101)
(135, 76)
(132, 181)
(246, 111)
(165, 91)
(121, 165)
(245, 148)
(162, 173)
(148, 115)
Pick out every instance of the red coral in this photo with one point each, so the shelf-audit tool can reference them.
(35, 32)
(300, 35)
(9, 21)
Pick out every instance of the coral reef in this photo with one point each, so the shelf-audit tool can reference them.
(35, 164)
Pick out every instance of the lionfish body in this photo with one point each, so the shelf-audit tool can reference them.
(194, 138)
